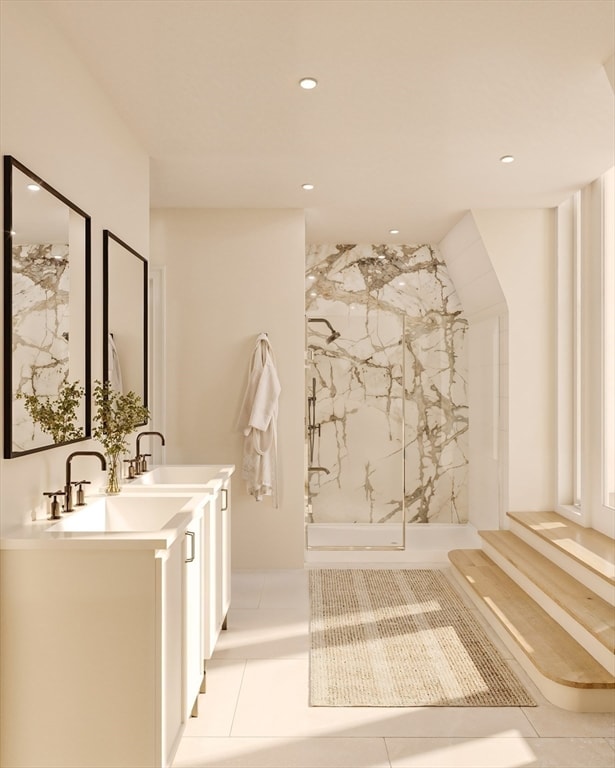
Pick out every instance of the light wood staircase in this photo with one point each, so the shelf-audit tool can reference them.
(547, 587)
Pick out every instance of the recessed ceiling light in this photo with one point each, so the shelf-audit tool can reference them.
(313, 293)
(393, 231)
(307, 186)
(311, 277)
(401, 283)
(507, 159)
(308, 83)
(33, 187)
(381, 256)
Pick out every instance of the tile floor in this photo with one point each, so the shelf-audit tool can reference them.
(255, 713)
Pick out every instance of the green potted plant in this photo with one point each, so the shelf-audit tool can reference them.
(56, 414)
(117, 415)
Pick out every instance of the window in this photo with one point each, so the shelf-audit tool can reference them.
(608, 339)
(586, 355)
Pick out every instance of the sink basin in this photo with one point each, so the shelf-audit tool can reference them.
(117, 514)
(178, 475)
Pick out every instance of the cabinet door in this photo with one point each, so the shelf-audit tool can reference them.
(170, 642)
(225, 549)
(210, 577)
(193, 604)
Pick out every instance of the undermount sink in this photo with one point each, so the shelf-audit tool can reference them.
(118, 514)
(182, 475)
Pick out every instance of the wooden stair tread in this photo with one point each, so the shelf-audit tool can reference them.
(588, 609)
(591, 548)
(553, 652)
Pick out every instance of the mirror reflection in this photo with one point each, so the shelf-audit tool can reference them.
(124, 317)
(47, 304)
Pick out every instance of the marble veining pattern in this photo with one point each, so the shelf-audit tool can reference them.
(40, 331)
(393, 381)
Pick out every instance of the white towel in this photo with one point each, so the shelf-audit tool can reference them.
(258, 421)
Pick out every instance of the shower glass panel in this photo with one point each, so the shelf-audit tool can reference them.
(386, 395)
(355, 430)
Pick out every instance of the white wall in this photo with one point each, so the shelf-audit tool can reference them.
(503, 266)
(484, 305)
(521, 247)
(230, 275)
(55, 120)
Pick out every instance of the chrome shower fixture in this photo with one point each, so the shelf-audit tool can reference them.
(334, 334)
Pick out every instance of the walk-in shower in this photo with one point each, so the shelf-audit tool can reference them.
(386, 411)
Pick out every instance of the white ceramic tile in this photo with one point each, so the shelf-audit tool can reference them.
(282, 753)
(509, 751)
(572, 753)
(263, 634)
(469, 265)
(286, 590)
(286, 711)
(502, 751)
(217, 705)
(246, 588)
(481, 293)
(463, 234)
(551, 721)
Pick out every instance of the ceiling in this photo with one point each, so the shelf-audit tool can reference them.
(416, 103)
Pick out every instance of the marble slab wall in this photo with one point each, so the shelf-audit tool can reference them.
(387, 414)
(40, 331)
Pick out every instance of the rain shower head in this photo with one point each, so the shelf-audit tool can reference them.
(334, 334)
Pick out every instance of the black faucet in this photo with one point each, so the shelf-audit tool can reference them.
(68, 490)
(141, 459)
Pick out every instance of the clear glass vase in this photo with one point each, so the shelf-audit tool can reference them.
(113, 474)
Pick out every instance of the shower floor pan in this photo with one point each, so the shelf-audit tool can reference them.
(425, 543)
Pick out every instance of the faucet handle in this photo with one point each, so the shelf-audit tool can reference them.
(131, 468)
(144, 461)
(80, 493)
(55, 505)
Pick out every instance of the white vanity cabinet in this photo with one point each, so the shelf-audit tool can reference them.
(101, 647)
(217, 566)
(215, 481)
(193, 671)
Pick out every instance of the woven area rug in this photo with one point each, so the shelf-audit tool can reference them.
(401, 638)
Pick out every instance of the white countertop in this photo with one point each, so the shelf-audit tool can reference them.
(48, 534)
(200, 478)
(192, 498)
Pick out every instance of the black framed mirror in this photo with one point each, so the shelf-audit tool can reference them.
(47, 307)
(125, 323)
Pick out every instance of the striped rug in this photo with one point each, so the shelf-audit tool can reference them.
(401, 638)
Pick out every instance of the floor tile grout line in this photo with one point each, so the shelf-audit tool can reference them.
(243, 672)
(530, 723)
(388, 754)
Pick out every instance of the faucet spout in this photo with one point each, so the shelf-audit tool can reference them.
(142, 434)
(68, 491)
(141, 458)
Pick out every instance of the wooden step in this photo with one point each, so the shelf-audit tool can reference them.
(588, 547)
(563, 670)
(594, 615)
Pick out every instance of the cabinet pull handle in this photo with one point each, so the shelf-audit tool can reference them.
(225, 501)
(192, 548)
